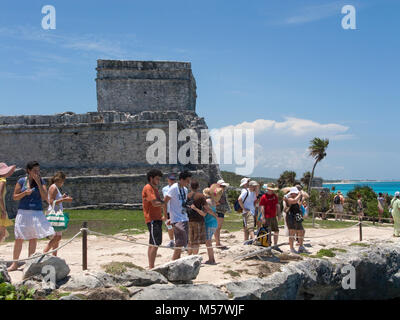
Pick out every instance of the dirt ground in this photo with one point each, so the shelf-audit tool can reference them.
(103, 250)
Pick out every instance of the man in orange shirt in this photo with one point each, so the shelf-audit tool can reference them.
(153, 207)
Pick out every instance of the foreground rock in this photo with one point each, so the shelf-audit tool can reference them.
(88, 280)
(140, 278)
(4, 276)
(376, 276)
(181, 270)
(179, 292)
(45, 265)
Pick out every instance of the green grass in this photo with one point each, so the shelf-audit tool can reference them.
(321, 253)
(339, 250)
(359, 244)
(232, 273)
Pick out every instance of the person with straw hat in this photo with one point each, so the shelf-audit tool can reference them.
(5, 172)
(219, 188)
(269, 208)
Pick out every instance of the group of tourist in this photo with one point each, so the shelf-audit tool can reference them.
(30, 222)
(191, 217)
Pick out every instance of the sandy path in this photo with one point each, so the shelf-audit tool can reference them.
(103, 250)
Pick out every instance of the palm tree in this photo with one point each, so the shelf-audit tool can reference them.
(317, 150)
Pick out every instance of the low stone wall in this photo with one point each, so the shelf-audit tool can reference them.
(111, 191)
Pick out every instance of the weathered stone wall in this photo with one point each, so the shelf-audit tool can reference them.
(84, 145)
(135, 86)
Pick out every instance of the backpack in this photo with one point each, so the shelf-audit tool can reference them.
(263, 237)
(336, 200)
(237, 206)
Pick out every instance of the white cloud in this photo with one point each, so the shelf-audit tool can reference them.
(282, 145)
(294, 126)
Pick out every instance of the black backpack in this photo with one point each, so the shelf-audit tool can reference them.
(336, 200)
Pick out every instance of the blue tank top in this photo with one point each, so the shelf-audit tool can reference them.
(33, 201)
(209, 220)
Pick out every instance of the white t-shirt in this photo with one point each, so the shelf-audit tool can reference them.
(178, 197)
(164, 192)
(249, 203)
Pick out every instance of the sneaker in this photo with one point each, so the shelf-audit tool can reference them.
(248, 242)
(302, 250)
(277, 249)
(171, 244)
(293, 251)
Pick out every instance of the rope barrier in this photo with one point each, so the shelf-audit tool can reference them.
(44, 254)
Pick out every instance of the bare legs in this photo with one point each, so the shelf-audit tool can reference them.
(152, 254)
(53, 244)
(17, 251)
(210, 252)
(218, 232)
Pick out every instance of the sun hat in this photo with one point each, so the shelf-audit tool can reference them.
(244, 181)
(253, 183)
(222, 183)
(6, 170)
(397, 194)
(270, 186)
(294, 190)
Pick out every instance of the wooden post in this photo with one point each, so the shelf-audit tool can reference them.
(84, 246)
(360, 220)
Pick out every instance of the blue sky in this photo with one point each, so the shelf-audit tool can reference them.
(288, 63)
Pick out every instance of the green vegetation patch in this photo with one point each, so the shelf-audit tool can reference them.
(9, 292)
(360, 244)
(321, 254)
(117, 268)
(232, 273)
(339, 250)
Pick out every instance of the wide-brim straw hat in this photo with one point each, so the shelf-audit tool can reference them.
(6, 170)
(223, 183)
(270, 187)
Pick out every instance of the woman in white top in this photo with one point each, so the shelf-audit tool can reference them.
(56, 182)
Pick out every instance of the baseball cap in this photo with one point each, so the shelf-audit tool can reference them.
(244, 181)
(172, 176)
(253, 183)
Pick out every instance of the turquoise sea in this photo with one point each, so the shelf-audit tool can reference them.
(389, 187)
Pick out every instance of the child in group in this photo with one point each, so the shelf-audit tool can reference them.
(56, 198)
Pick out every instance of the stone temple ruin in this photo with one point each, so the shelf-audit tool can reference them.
(103, 153)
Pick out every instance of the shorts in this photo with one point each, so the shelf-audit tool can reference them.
(210, 232)
(181, 233)
(249, 222)
(197, 233)
(221, 215)
(155, 229)
(272, 224)
(338, 208)
(291, 222)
